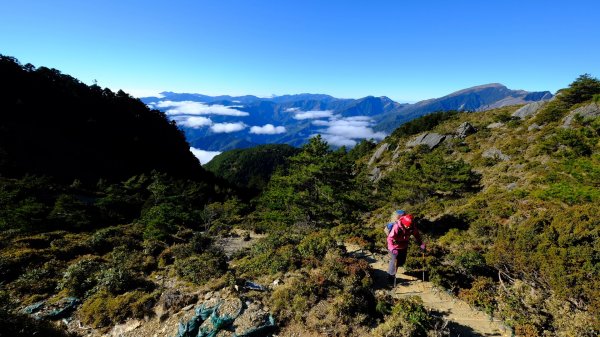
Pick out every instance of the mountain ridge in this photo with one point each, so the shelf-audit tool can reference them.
(341, 121)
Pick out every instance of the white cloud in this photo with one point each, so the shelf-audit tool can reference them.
(292, 109)
(199, 108)
(204, 156)
(336, 140)
(344, 131)
(193, 122)
(227, 127)
(321, 123)
(314, 114)
(267, 129)
(354, 132)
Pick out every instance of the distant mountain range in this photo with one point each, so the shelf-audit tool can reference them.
(220, 123)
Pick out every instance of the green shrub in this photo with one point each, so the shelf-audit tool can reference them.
(81, 276)
(584, 88)
(553, 111)
(570, 193)
(201, 268)
(161, 220)
(117, 280)
(70, 212)
(469, 263)
(408, 318)
(102, 309)
(41, 280)
(315, 245)
(103, 240)
(481, 295)
(569, 143)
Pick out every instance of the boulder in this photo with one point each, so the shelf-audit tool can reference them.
(534, 126)
(465, 129)
(586, 112)
(495, 154)
(172, 301)
(378, 153)
(495, 125)
(375, 174)
(528, 110)
(430, 139)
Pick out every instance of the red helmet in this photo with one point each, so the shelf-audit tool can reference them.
(407, 220)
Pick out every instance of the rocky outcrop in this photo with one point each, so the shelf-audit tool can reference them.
(586, 112)
(465, 129)
(495, 125)
(533, 127)
(528, 110)
(375, 174)
(378, 153)
(171, 301)
(430, 139)
(227, 316)
(494, 153)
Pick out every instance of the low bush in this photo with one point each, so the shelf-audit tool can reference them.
(82, 276)
(481, 295)
(103, 309)
(408, 318)
(42, 280)
(201, 268)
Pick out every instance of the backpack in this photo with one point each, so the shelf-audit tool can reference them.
(388, 228)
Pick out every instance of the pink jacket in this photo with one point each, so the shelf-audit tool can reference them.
(399, 236)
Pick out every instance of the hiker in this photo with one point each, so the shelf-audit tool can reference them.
(397, 240)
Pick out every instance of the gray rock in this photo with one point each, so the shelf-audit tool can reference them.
(586, 112)
(378, 153)
(396, 153)
(430, 139)
(495, 125)
(173, 300)
(495, 154)
(511, 186)
(528, 110)
(534, 126)
(465, 129)
(375, 174)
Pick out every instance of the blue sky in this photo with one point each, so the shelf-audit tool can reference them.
(406, 50)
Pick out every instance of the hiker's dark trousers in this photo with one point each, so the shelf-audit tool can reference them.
(397, 259)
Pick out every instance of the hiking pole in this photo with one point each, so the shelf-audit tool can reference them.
(423, 262)
(395, 270)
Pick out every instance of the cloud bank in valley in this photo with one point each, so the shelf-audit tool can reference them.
(345, 131)
(198, 108)
(204, 156)
(313, 114)
(267, 129)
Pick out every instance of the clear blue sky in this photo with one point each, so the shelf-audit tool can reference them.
(407, 50)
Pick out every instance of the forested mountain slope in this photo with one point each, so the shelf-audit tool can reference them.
(53, 124)
(251, 168)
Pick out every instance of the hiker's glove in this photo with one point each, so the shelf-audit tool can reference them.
(423, 247)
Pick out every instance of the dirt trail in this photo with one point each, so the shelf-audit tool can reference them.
(462, 319)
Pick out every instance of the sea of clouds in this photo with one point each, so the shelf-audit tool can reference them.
(334, 128)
